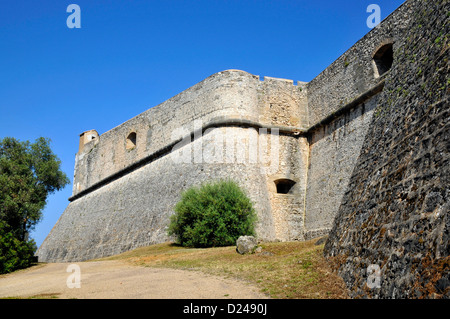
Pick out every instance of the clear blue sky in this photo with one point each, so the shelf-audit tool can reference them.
(129, 56)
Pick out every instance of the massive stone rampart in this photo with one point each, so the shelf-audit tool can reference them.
(341, 102)
(134, 210)
(390, 238)
(231, 125)
(226, 97)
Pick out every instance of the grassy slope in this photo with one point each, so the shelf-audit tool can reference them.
(282, 270)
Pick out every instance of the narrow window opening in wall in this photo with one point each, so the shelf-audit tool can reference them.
(131, 141)
(383, 59)
(284, 186)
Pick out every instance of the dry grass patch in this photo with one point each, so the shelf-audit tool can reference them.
(282, 270)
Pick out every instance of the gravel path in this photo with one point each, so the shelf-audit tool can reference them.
(117, 280)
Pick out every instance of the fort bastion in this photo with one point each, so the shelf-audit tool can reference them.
(360, 153)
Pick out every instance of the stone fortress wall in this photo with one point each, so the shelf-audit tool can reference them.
(390, 236)
(341, 102)
(128, 180)
(221, 99)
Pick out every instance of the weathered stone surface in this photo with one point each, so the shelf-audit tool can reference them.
(226, 96)
(134, 211)
(219, 128)
(246, 245)
(395, 213)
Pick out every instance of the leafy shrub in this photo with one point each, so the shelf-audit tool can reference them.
(212, 215)
(14, 253)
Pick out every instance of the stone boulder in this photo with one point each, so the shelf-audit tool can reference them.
(246, 245)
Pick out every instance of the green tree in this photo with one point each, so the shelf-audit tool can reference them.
(29, 172)
(212, 215)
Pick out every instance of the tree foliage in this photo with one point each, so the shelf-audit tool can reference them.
(14, 253)
(212, 215)
(29, 172)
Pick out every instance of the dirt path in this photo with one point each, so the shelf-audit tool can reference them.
(117, 279)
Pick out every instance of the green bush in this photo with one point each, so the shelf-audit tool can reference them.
(212, 215)
(14, 253)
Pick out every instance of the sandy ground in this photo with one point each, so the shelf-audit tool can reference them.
(119, 280)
